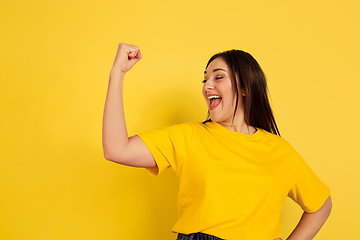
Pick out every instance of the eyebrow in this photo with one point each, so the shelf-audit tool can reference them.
(216, 69)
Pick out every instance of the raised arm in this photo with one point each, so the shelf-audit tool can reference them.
(310, 223)
(117, 146)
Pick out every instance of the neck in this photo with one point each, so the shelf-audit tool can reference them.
(239, 128)
(238, 125)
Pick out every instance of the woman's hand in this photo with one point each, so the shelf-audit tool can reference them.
(126, 57)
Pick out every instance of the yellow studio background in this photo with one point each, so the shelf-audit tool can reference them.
(54, 66)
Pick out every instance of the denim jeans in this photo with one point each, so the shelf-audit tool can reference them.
(196, 236)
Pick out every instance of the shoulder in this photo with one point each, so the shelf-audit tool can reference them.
(273, 138)
(173, 130)
(176, 131)
(279, 144)
(181, 128)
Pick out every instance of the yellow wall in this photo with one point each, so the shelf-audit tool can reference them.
(55, 58)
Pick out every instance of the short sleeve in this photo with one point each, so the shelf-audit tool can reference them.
(168, 146)
(308, 190)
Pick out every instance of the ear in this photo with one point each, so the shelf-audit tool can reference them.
(243, 93)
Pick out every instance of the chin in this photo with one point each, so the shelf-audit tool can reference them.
(221, 118)
(215, 118)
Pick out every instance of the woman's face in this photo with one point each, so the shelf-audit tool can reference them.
(218, 93)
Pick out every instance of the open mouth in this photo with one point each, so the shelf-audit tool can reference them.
(214, 101)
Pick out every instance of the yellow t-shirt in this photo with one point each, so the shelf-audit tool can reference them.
(233, 185)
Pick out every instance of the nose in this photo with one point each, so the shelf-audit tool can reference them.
(209, 86)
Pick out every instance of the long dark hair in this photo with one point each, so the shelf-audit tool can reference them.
(245, 72)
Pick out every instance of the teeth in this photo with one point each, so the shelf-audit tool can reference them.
(211, 97)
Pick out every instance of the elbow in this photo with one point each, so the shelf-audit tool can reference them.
(329, 202)
(328, 205)
(109, 155)
(114, 157)
(108, 151)
(325, 210)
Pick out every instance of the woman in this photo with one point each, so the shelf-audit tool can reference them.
(234, 170)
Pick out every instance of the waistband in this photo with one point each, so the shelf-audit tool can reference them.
(196, 236)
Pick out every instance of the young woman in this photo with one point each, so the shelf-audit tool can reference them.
(234, 170)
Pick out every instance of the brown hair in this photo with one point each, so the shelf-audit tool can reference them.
(245, 72)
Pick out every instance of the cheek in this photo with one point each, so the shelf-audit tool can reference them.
(203, 92)
(230, 99)
(231, 103)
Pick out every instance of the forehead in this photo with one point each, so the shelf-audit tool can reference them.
(216, 64)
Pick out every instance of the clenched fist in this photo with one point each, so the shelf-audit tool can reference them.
(126, 57)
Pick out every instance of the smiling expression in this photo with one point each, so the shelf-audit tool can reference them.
(218, 92)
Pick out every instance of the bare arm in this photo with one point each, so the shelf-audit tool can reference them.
(310, 223)
(117, 146)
